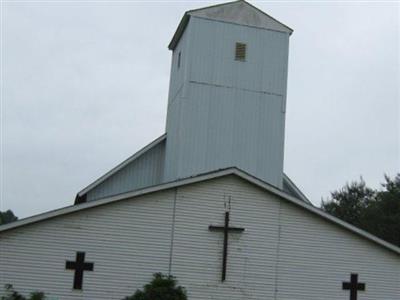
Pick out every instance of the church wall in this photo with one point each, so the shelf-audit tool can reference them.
(285, 252)
(284, 247)
(229, 113)
(177, 91)
(146, 170)
(212, 56)
(127, 241)
(316, 256)
(197, 252)
(210, 122)
(180, 69)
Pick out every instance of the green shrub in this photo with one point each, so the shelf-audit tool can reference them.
(11, 294)
(162, 287)
(37, 296)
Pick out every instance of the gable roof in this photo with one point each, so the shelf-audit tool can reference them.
(288, 185)
(212, 175)
(237, 12)
(81, 194)
(292, 189)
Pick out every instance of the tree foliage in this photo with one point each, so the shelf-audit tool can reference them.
(7, 217)
(11, 294)
(162, 287)
(376, 211)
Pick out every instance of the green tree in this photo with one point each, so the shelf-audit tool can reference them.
(376, 211)
(162, 287)
(7, 217)
(382, 217)
(349, 203)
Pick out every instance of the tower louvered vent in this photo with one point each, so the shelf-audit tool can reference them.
(240, 52)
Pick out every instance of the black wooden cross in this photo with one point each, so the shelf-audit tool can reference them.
(354, 286)
(226, 229)
(79, 266)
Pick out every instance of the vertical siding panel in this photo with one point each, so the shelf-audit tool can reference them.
(146, 170)
(220, 124)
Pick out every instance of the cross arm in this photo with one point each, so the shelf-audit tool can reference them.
(221, 228)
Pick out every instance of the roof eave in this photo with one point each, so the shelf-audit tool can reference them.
(199, 178)
(290, 30)
(179, 31)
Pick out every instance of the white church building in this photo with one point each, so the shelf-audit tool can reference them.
(208, 201)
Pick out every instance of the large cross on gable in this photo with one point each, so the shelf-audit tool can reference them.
(79, 266)
(225, 229)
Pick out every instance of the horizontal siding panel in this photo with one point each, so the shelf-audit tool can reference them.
(123, 240)
(251, 267)
(285, 252)
(318, 254)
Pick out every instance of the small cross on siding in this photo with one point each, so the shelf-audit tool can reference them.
(225, 229)
(354, 286)
(79, 266)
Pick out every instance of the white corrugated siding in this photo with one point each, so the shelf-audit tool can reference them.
(284, 253)
(316, 256)
(228, 113)
(197, 252)
(284, 247)
(146, 170)
(179, 73)
(212, 56)
(127, 241)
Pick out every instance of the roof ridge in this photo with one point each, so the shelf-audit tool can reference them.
(275, 24)
(213, 6)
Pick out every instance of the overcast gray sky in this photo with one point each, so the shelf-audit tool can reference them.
(85, 85)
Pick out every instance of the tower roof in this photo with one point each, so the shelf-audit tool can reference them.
(237, 12)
